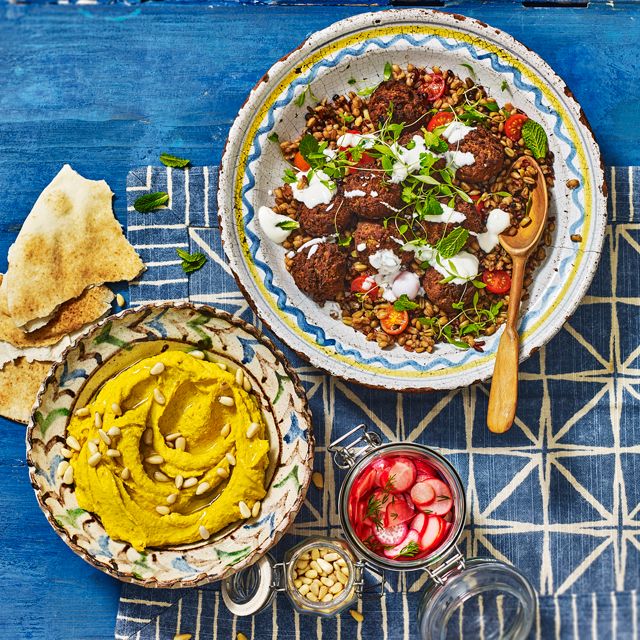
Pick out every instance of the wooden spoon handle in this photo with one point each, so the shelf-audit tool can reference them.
(503, 397)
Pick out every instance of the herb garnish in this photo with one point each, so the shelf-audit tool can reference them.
(191, 261)
(173, 161)
(535, 138)
(273, 137)
(451, 244)
(504, 85)
(151, 201)
(404, 304)
(387, 71)
(410, 550)
(302, 96)
(288, 225)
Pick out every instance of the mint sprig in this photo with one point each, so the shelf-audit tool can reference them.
(404, 304)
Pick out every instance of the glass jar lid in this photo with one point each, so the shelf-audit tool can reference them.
(478, 598)
(252, 589)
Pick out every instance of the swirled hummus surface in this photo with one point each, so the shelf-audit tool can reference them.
(151, 487)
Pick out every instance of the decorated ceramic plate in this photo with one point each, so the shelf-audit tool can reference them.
(118, 344)
(358, 50)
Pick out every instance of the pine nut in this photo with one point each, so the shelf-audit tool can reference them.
(356, 615)
(154, 459)
(103, 436)
(125, 474)
(158, 397)
(253, 429)
(82, 412)
(67, 478)
(114, 432)
(178, 480)
(227, 401)
(115, 407)
(62, 467)
(181, 443)
(73, 443)
(94, 459)
(196, 353)
(204, 532)
(158, 476)
(113, 453)
(171, 498)
(203, 487)
(190, 482)
(239, 377)
(120, 301)
(222, 472)
(225, 431)
(231, 459)
(163, 510)
(317, 479)
(255, 510)
(97, 419)
(157, 369)
(245, 512)
(173, 436)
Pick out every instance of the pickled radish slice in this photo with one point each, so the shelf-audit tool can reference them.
(399, 476)
(398, 511)
(408, 548)
(432, 533)
(363, 484)
(422, 494)
(424, 471)
(419, 523)
(391, 536)
(443, 501)
(379, 466)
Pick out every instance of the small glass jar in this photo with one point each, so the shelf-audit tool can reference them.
(462, 595)
(253, 589)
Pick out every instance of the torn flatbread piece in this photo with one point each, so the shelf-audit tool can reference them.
(70, 241)
(19, 385)
(69, 318)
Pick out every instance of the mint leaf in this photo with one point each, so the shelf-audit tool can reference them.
(387, 71)
(404, 304)
(308, 146)
(150, 201)
(452, 243)
(492, 106)
(535, 138)
(273, 137)
(173, 161)
(191, 261)
(469, 67)
(504, 85)
(367, 91)
(288, 225)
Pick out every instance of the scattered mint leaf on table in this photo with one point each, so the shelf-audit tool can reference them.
(191, 261)
(273, 137)
(150, 201)
(173, 161)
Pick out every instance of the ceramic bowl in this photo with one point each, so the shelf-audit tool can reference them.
(359, 47)
(106, 349)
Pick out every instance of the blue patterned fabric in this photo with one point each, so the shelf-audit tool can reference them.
(557, 496)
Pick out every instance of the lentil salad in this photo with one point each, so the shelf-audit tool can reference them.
(393, 201)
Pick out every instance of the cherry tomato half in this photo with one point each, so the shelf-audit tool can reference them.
(497, 281)
(441, 119)
(433, 89)
(392, 322)
(365, 161)
(480, 204)
(513, 126)
(300, 163)
(366, 285)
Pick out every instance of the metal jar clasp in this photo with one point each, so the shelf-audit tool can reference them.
(345, 455)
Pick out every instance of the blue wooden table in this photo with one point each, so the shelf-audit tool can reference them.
(109, 87)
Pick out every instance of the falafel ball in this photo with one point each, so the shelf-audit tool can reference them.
(325, 219)
(319, 271)
(381, 199)
(488, 154)
(406, 104)
(445, 295)
(374, 237)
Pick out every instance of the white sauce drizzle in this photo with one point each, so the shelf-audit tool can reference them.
(448, 215)
(457, 159)
(361, 247)
(497, 222)
(463, 266)
(320, 189)
(388, 266)
(366, 141)
(456, 131)
(310, 243)
(269, 220)
(312, 251)
(356, 193)
(407, 160)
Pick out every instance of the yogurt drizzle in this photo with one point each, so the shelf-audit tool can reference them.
(320, 189)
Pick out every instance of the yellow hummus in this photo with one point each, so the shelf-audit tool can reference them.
(145, 488)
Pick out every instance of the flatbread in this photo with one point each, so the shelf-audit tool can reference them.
(70, 241)
(19, 385)
(71, 316)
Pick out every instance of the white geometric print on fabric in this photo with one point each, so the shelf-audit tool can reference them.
(557, 496)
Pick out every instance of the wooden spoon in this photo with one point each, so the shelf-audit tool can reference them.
(504, 386)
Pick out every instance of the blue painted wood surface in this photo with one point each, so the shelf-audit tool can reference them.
(108, 88)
